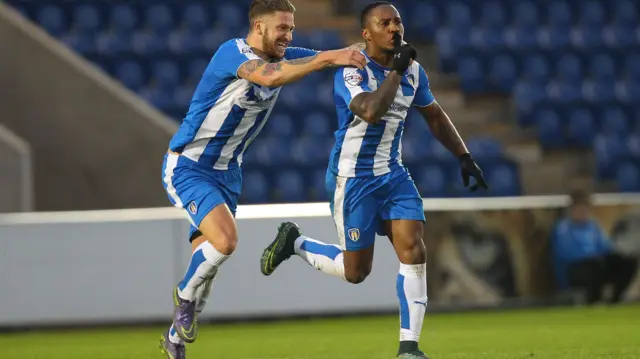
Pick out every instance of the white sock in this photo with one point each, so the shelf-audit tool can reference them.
(205, 260)
(327, 258)
(411, 287)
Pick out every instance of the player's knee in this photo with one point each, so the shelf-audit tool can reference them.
(225, 243)
(358, 275)
(413, 251)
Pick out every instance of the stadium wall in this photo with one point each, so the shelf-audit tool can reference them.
(16, 182)
(109, 267)
(96, 145)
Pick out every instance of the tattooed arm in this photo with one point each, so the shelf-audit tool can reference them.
(443, 129)
(274, 74)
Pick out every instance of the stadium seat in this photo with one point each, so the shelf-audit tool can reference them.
(86, 19)
(550, 130)
(581, 128)
(504, 179)
(289, 187)
(471, 73)
(123, 19)
(431, 181)
(608, 149)
(536, 69)
(503, 74)
(255, 188)
(130, 73)
(52, 19)
(628, 177)
(317, 124)
(310, 150)
(615, 121)
(279, 124)
(423, 19)
(159, 19)
(317, 191)
(195, 17)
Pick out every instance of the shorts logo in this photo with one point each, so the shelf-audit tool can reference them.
(193, 208)
(411, 79)
(353, 79)
(354, 234)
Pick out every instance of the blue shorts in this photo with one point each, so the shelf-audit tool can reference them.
(197, 189)
(360, 205)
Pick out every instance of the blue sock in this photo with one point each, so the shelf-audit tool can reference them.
(327, 258)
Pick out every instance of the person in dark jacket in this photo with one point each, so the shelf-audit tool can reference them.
(584, 257)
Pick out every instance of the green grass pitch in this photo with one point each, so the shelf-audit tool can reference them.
(567, 333)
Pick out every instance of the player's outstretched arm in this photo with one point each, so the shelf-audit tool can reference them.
(274, 74)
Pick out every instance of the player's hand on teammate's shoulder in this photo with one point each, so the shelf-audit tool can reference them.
(469, 168)
(346, 57)
(403, 54)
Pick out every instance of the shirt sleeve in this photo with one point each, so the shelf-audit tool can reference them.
(348, 83)
(230, 56)
(292, 53)
(423, 96)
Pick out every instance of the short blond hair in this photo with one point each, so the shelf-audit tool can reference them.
(265, 7)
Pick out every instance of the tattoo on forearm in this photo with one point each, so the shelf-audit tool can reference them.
(250, 67)
(357, 46)
(301, 61)
(271, 68)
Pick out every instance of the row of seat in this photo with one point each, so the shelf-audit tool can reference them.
(263, 184)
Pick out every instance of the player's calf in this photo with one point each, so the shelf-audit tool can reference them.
(358, 264)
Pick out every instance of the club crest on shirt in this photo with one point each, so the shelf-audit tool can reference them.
(193, 208)
(353, 79)
(354, 234)
(411, 79)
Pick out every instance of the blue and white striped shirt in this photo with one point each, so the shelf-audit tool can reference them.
(226, 112)
(364, 149)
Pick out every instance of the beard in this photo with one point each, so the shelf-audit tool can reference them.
(269, 46)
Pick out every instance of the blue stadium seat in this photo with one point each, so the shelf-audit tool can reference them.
(113, 44)
(230, 16)
(272, 152)
(309, 150)
(587, 37)
(416, 148)
(290, 186)
(147, 43)
(581, 128)
(185, 41)
(318, 192)
(632, 146)
(537, 68)
(522, 36)
(166, 73)
(123, 19)
(130, 73)
(196, 68)
(503, 73)
(81, 42)
(195, 17)
(213, 38)
(326, 39)
(182, 95)
(159, 19)
(86, 19)
(458, 15)
(620, 36)
(592, 14)
(324, 93)
(550, 130)
(471, 73)
(485, 148)
(615, 121)
(526, 95)
(625, 12)
(317, 124)
(255, 188)
(279, 124)
(607, 150)
(503, 178)
(423, 19)
(52, 19)
(559, 13)
(451, 42)
(628, 177)
(632, 67)
(162, 98)
(493, 14)
(431, 181)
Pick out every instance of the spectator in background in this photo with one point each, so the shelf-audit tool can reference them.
(584, 257)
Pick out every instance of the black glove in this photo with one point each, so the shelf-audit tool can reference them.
(469, 168)
(402, 55)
